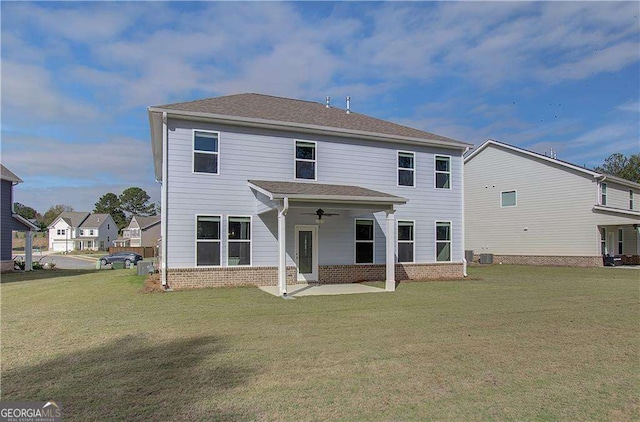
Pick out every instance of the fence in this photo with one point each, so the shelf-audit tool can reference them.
(145, 251)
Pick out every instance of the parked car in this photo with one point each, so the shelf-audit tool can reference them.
(126, 257)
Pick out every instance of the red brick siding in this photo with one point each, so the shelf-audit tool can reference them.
(186, 278)
(550, 261)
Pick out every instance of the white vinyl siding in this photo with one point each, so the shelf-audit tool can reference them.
(251, 153)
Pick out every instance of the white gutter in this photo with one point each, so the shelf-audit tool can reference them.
(464, 258)
(164, 203)
(302, 127)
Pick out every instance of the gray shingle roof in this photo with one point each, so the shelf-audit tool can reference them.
(145, 222)
(74, 219)
(301, 190)
(7, 174)
(278, 109)
(94, 220)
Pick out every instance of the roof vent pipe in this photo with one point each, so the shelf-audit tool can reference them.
(328, 102)
(348, 105)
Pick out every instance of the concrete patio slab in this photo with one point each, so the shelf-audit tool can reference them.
(299, 290)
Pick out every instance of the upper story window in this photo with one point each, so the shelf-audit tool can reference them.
(90, 232)
(364, 241)
(81, 232)
(405, 241)
(60, 232)
(603, 194)
(508, 198)
(630, 199)
(306, 160)
(443, 172)
(406, 168)
(206, 149)
(208, 240)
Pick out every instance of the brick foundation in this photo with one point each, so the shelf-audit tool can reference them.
(6, 266)
(187, 278)
(550, 261)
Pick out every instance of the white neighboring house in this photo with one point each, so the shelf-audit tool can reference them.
(527, 208)
(81, 230)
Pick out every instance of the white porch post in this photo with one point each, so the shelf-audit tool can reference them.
(390, 283)
(282, 255)
(28, 248)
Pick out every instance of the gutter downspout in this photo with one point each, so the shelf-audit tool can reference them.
(464, 258)
(163, 203)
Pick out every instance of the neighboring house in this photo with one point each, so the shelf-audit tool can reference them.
(269, 191)
(10, 222)
(528, 208)
(81, 230)
(141, 232)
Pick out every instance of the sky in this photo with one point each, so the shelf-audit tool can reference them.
(77, 77)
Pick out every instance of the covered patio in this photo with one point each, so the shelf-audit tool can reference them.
(305, 207)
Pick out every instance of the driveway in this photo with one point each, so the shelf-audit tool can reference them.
(68, 262)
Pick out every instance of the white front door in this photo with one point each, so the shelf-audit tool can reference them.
(307, 253)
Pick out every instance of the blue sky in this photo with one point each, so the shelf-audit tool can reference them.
(77, 77)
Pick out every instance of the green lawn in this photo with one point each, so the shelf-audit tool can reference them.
(513, 343)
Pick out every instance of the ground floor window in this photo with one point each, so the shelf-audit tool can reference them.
(364, 241)
(405, 241)
(620, 248)
(208, 240)
(443, 241)
(239, 241)
(603, 241)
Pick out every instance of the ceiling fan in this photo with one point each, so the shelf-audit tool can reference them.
(320, 213)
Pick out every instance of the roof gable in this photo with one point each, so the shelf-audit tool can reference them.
(145, 222)
(73, 219)
(6, 174)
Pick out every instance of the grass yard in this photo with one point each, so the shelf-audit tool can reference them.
(515, 343)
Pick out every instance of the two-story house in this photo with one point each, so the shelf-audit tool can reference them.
(10, 222)
(266, 190)
(81, 230)
(528, 208)
(142, 231)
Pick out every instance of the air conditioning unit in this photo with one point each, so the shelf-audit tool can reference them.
(486, 258)
(468, 256)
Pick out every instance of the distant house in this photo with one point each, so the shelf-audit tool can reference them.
(528, 208)
(10, 222)
(267, 190)
(81, 230)
(141, 232)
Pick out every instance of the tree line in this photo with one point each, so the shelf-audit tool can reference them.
(132, 201)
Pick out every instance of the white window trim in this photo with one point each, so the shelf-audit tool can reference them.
(405, 241)
(435, 172)
(195, 232)
(193, 152)
(620, 248)
(355, 240)
(507, 191)
(414, 169)
(435, 237)
(296, 159)
(227, 240)
(603, 194)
